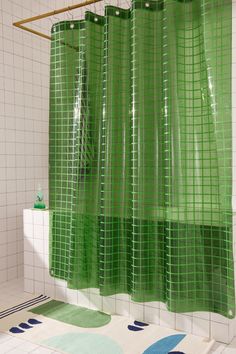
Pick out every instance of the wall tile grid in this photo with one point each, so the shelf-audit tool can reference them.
(36, 223)
(24, 83)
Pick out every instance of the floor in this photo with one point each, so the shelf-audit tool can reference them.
(8, 344)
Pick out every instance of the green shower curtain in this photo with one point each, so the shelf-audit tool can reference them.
(140, 153)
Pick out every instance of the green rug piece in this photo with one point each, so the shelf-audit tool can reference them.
(84, 343)
(72, 314)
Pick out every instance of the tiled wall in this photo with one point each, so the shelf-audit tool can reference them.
(24, 82)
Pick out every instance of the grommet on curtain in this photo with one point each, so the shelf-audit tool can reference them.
(147, 4)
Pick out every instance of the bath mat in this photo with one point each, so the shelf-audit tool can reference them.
(72, 314)
(113, 337)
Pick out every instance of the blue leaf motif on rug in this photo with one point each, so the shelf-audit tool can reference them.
(25, 325)
(165, 345)
(16, 330)
(134, 328)
(141, 324)
(33, 321)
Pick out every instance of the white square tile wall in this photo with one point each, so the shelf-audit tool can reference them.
(24, 103)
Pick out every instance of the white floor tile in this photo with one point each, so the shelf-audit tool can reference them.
(10, 344)
(42, 350)
(17, 351)
(27, 346)
(229, 350)
(4, 337)
(218, 348)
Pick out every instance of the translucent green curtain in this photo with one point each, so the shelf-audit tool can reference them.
(140, 153)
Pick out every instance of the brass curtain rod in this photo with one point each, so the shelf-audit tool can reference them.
(20, 23)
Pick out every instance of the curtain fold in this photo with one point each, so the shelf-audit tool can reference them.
(140, 176)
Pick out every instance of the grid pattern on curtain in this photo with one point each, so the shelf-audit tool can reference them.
(140, 153)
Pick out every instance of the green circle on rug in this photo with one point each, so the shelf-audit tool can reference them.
(84, 343)
(72, 314)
